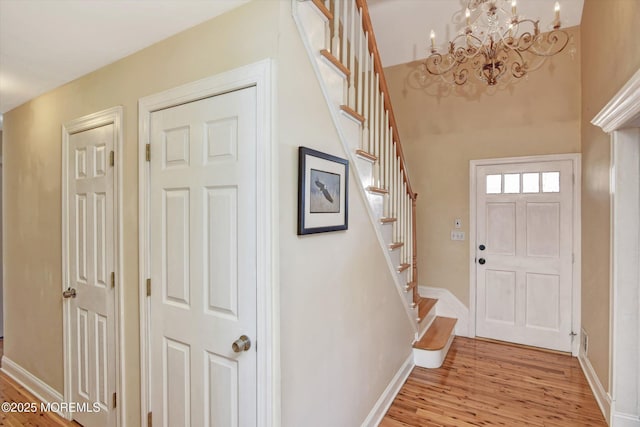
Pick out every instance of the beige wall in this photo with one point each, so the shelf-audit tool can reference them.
(343, 330)
(441, 133)
(610, 56)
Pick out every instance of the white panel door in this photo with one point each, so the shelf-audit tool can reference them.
(525, 253)
(91, 263)
(203, 262)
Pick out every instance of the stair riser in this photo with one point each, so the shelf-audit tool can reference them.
(315, 25)
(424, 325)
(334, 81)
(387, 233)
(365, 171)
(351, 130)
(376, 201)
(408, 297)
(395, 256)
(431, 359)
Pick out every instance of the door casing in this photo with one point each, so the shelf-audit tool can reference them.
(110, 116)
(260, 75)
(576, 232)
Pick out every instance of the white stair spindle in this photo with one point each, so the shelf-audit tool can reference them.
(372, 109)
(365, 95)
(361, 60)
(344, 38)
(376, 120)
(352, 56)
(335, 44)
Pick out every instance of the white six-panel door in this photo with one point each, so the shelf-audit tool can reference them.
(524, 253)
(203, 262)
(90, 266)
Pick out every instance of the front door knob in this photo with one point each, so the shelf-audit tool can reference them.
(481, 261)
(241, 344)
(69, 293)
(482, 247)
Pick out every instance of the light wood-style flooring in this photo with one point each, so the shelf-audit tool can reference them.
(10, 391)
(485, 383)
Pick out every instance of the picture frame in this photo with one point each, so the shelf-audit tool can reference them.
(323, 192)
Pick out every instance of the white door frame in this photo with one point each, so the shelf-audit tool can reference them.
(621, 119)
(576, 232)
(105, 117)
(260, 75)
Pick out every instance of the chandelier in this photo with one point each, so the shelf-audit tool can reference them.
(496, 45)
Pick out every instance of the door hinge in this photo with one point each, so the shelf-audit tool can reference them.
(113, 279)
(148, 152)
(148, 287)
(573, 258)
(149, 420)
(112, 158)
(115, 399)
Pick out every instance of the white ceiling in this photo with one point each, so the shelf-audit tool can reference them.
(46, 43)
(402, 27)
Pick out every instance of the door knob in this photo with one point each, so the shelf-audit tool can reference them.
(482, 247)
(69, 293)
(481, 261)
(241, 344)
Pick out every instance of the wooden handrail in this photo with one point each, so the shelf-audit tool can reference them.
(373, 48)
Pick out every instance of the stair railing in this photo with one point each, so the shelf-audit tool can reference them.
(352, 43)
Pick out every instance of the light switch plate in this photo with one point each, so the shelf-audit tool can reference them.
(457, 235)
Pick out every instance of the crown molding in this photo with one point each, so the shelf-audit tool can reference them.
(623, 109)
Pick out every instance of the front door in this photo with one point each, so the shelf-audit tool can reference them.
(203, 262)
(524, 253)
(90, 293)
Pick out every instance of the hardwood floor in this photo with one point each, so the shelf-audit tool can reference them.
(486, 383)
(12, 392)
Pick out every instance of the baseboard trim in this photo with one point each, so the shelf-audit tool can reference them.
(449, 306)
(31, 383)
(624, 420)
(599, 392)
(386, 399)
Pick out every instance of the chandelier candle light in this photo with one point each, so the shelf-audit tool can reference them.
(496, 44)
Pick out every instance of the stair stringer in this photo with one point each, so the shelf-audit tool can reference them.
(330, 92)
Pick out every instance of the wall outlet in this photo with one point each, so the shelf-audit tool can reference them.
(457, 235)
(458, 223)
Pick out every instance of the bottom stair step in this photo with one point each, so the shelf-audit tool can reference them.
(432, 348)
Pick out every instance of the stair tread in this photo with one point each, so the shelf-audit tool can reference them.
(395, 245)
(437, 335)
(336, 62)
(353, 113)
(378, 190)
(403, 267)
(387, 220)
(424, 307)
(319, 4)
(410, 286)
(366, 155)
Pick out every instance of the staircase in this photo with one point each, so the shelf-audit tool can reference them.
(339, 38)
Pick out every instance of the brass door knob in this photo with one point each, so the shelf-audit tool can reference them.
(241, 344)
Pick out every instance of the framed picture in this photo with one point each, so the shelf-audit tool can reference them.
(323, 187)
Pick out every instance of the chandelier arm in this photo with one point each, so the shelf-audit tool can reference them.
(519, 67)
(557, 40)
(435, 60)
